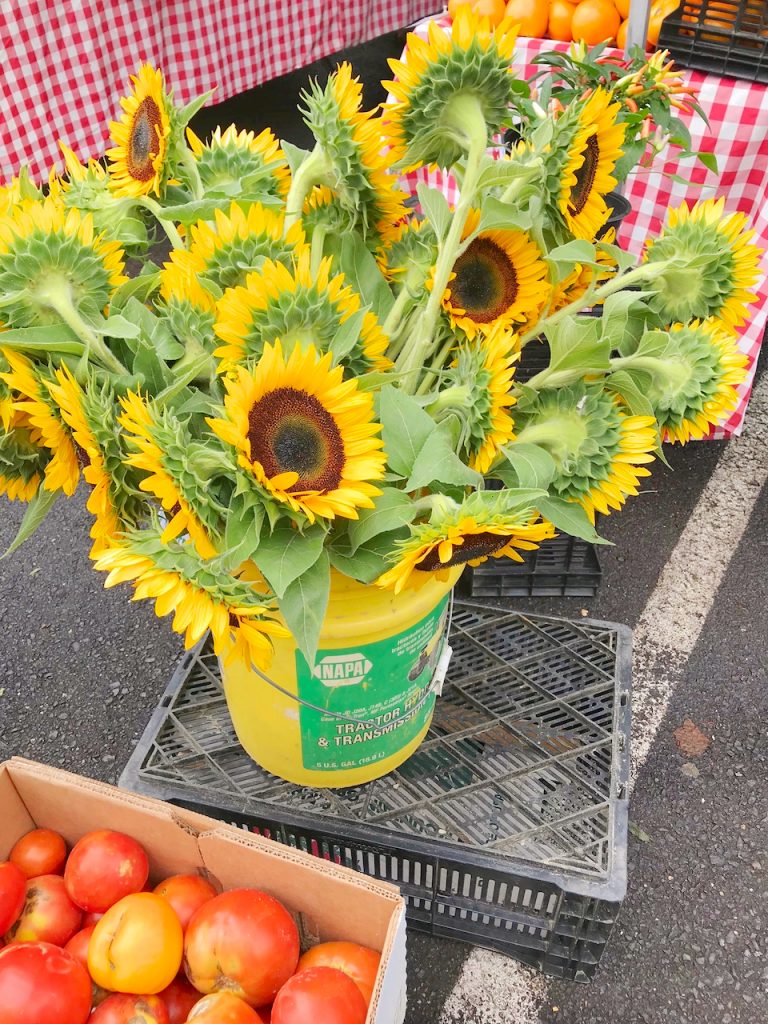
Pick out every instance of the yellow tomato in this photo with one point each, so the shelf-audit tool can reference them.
(622, 6)
(137, 946)
(658, 12)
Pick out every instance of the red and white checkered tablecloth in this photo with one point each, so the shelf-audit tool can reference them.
(64, 66)
(737, 112)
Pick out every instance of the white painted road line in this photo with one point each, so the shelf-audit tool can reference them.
(675, 614)
(492, 989)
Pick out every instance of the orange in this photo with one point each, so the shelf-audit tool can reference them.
(560, 17)
(621, 35)
(659, 10)
(595, 21)
(491, 9)
(531, 15)
(622, 6)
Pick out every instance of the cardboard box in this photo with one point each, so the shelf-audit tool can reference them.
(330, 902)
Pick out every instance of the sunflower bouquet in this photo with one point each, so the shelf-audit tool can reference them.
(319, 377)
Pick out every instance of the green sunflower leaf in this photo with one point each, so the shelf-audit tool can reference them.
(141, 287)
(187, 112)
(528, 466)
(437, 461)
(623, 259)
(616, 309)
(242, 533)
(436, 209)
(117, 326)
(370, 560)
(496, 214)
(576, 349)
(153, 330)
(285, 554)
(405, 426)
(36, 511)
(52, 338)
(393, 509)
(347, 335)
(630, 386)
(362, 272)
(566, 256)
(304, 603)
(199, 209)
(570, 518)
(295, 155)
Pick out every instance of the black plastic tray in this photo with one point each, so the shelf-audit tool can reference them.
(507, 828)
(562, 567)
(724, 37)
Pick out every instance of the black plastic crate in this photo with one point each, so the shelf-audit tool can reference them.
(727, 37)
(506, 829)
(562, 567)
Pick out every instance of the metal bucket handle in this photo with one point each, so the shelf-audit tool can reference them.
(435, 686)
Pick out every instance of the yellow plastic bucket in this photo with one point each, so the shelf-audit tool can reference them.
(367, 702)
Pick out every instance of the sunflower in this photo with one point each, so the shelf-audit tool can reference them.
(306, 435)
(248, 163)
(599, 450)
(201, 595)
(89, 416)
(141, 137)
(575, 284)
(354, 166)
(587, 175)
(162, 445)
(62, 472)
(500, 278)
(323, 210)
(22, 458)
(190, 308)
(298, 305)
(711, 265)
(237, 243)
(481, 379)
(486, 525)
(707, 367)
(50, 259)
(411, 253)
(450, 89)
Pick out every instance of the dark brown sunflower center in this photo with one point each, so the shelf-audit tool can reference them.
(292, 432)
(476, 545)
(143, 144)
(585, 176)
(83, 459)
(486, 281)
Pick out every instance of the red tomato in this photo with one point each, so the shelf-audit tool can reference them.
(40, 852)
(78, 945)
(224, 1008)
(103, 867)
(186, 894)
(319, 994)
(359, 962)
(137, 946)
(243, 941)
(48, 915)
(40, 984)
(89, 919)
(179, 998)
(13, 886)
(265, 1012)
(125, 1009)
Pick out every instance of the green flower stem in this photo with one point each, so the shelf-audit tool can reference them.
(57, 296)
(394, 319)
(168, 226)
(670, 372)
(413, 358)
(450, 395)
(318, 242)
(313, 170)
(189, 163)
(561, 435)
(593, 296)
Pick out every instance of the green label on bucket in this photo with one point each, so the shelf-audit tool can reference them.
(380, 684)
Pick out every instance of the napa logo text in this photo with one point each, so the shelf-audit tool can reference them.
(342, 669)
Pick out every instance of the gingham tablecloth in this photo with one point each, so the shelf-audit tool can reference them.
(737, 112)
(64, 65)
